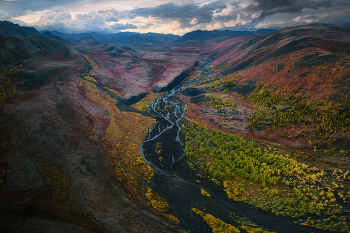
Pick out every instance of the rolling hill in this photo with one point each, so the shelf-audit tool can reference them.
(309, 64)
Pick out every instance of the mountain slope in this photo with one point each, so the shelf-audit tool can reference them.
(135, 73)
(343, 25)
(49, 35)
(13, 49)
(59, 136)
(241, 52)
(297, 68)
(123, 37)
(10, 29)
(217, 35)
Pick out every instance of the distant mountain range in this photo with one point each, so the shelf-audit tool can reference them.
(134, 38)
(130, 38)
(122, 37)
(217, 35)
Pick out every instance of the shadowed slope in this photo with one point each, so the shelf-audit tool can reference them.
(59, 148)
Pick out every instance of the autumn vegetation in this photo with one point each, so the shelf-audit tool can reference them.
(122, 140)
(8, 89)
(268, 179)
(219, 226)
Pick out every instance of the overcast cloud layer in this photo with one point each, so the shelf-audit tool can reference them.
(164, 16)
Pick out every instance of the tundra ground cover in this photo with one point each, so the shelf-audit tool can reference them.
(269, 180)
(123, 137)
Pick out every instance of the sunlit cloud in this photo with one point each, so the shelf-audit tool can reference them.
(323, 17)
(165, 16)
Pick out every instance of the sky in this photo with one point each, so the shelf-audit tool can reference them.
(174, 17)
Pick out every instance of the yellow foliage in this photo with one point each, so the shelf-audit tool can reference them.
(217, 225)
(89, 78)
(146, 102)
(11, 71)
(255, 230)
(240, 189)
(123, 138)
(204, 193)
(92, 63)
(162, 207)
(173, 218)
(157, 202)
(115, 92)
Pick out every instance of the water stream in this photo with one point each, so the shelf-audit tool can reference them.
(170, 181)
(163, 150)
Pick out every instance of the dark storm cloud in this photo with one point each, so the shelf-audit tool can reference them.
(253, 12)
(270, 7)
(182, 13)
(324, 17)
(258, 10)
(211, 14)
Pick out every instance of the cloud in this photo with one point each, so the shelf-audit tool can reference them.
(120, 26)
(3, 14)
(271, 7)
(37, 5)
(146, 26)
(168, 17)
(258, 10)
(323, 17)
(183, 14)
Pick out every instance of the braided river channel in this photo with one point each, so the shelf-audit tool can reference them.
(181, 187)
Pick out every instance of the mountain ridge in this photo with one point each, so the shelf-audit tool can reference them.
(10, 29)
(217, 35)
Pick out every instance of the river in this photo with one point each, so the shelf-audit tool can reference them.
(163, 149)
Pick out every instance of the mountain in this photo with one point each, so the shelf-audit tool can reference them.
(49, 35)
(10, 29)
(217, 35)
(94, 35)
(135, 74)
(14, 30)
(343, 25)
(123, 37)
(297, 68)
(240, 52)
(60, 130)
(264, 31)
(166, 38)
(134, 39)
(14, 49)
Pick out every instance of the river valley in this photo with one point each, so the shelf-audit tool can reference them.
(163, 149)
